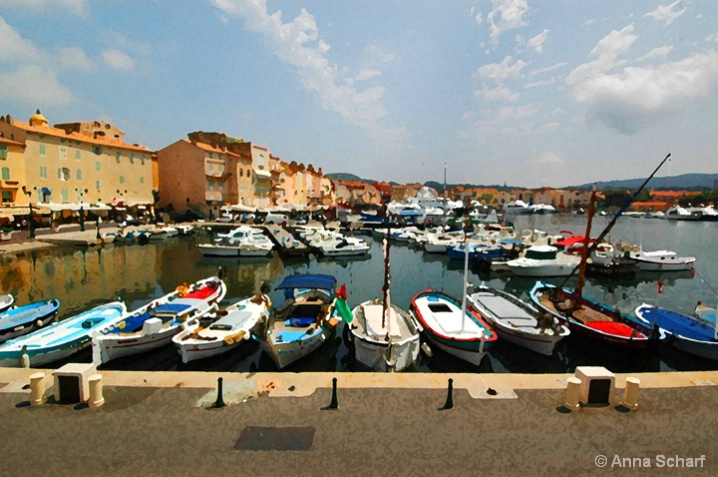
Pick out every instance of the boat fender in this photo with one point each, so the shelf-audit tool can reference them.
(39, 323)
(427, 350)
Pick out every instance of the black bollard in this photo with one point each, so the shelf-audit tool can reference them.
(450, 398)
(335, 402)
(219, 403)
(97, 227)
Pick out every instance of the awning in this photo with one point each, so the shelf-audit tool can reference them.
(323, 282)
(263, 173)
(239, 208)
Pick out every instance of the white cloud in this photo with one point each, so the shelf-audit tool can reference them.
(546, 82)
(14, 47)
(537, 42)
(500, 72)
(78, 7)
(665, 13)
(375, 55)
(548, 68)
(660, 52)
(712, 38)
(630, 98)
(366, 74)
(297, 43)
(74, 58)
(33, 85)
(118, 59)
(500, 93)
(552, 158)
(615, 42)
(506, 15)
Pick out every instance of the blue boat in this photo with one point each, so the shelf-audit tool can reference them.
(303, 322)
(25, 319)
(478, 253)
(686, 333)
(61, 339)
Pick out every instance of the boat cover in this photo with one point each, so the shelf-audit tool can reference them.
(203, 292)
(615, 328)
(323, 282)
(677, 323)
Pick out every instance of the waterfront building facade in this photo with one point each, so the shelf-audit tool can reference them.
(72, 165)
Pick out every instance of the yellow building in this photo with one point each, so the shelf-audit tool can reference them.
(77, 164)
(12, 181)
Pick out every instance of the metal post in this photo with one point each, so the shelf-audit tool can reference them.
(334, 404)
(450, 397)
(219, 403)
(32, 222)
(82, 219)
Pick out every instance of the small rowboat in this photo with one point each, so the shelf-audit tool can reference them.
(6, 301)
(26, 319)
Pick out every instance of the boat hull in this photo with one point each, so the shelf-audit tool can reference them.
(286, 353)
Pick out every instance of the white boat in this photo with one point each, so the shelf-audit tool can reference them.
(516, 321)
(517, 207)
(543, 261)
(61, 339)
(303, 322)
(441, 243)
(683, 214)
(661, 261)
(6, 301)
(384, 336)
(236, 250)
(154, 325)
(227, 333)
(342, 247)
(162, 233)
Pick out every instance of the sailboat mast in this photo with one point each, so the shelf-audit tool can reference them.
(466, 271)
(584, 250)
(387, 280)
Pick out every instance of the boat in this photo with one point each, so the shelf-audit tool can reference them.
(162, 233)
(227, 333)
(342, 247)
(705, 313)
(686, 333)
(6, 301)
(384, 337)
(452, 326)
(236, 250)
(543, 261)
(303, 322)
(516, 321)
(605, 260)
(61, 339)
(661, 261)
(154, 324)
(25, 319)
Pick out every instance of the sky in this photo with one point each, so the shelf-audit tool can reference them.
(521, 92)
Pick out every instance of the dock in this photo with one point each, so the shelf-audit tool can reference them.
(285, 241)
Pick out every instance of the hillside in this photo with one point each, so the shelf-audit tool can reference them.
(682, 182)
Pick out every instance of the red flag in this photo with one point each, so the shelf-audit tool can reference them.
(660, 287)
(342, 292)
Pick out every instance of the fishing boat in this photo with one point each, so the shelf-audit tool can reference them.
(6, 301)
(452, 326)
(227, 333)
(61, 339)
(384, 337)
(25, 319)
(686, 333)
(705, 313)
(517, 321)
(154, 324)
(303, 322)
(661, 261)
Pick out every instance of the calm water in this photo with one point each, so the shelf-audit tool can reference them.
(82, 278)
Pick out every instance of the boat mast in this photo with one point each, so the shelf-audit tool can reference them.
(584, 250)
(466, 271)
(387, 280)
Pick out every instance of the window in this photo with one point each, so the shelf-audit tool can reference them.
(63, 153)
(221, 186)
(117, 156)
(65, 194)
(3, 151)
(63, 173)
(122, 179)
(43, 172)
(97, 185)
(211, 185)
(210, 168)
(79, 195)
(132, 158)
(6, 196)
(6, 173)
(241, 173)
(77, 154)
(42, 150)
(97, 150)
(97, 166)
(142, 159)
(142, 179)
(78, 174)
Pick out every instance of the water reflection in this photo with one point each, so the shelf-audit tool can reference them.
(82, 278)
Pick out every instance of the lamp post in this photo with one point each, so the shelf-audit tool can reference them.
(82, 212)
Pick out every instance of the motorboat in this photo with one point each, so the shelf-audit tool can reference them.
(543, 261)
(661, 261)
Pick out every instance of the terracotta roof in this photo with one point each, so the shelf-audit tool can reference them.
(50, 131)
(670, 193)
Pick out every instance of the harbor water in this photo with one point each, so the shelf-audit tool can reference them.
(85, 277)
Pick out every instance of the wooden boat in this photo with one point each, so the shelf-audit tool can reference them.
(303, 322)
(61, 339)
(154, 325)
(384, 336)
(6, 301)
(686, 333)
(452, 326)
(227, 333)
(517, 321)
(661, 261)
(25, 319)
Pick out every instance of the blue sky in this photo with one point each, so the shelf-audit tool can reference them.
(528, 93)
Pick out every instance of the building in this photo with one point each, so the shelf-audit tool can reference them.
(73, 165)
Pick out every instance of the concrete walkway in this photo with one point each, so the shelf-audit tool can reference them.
(164, 426)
